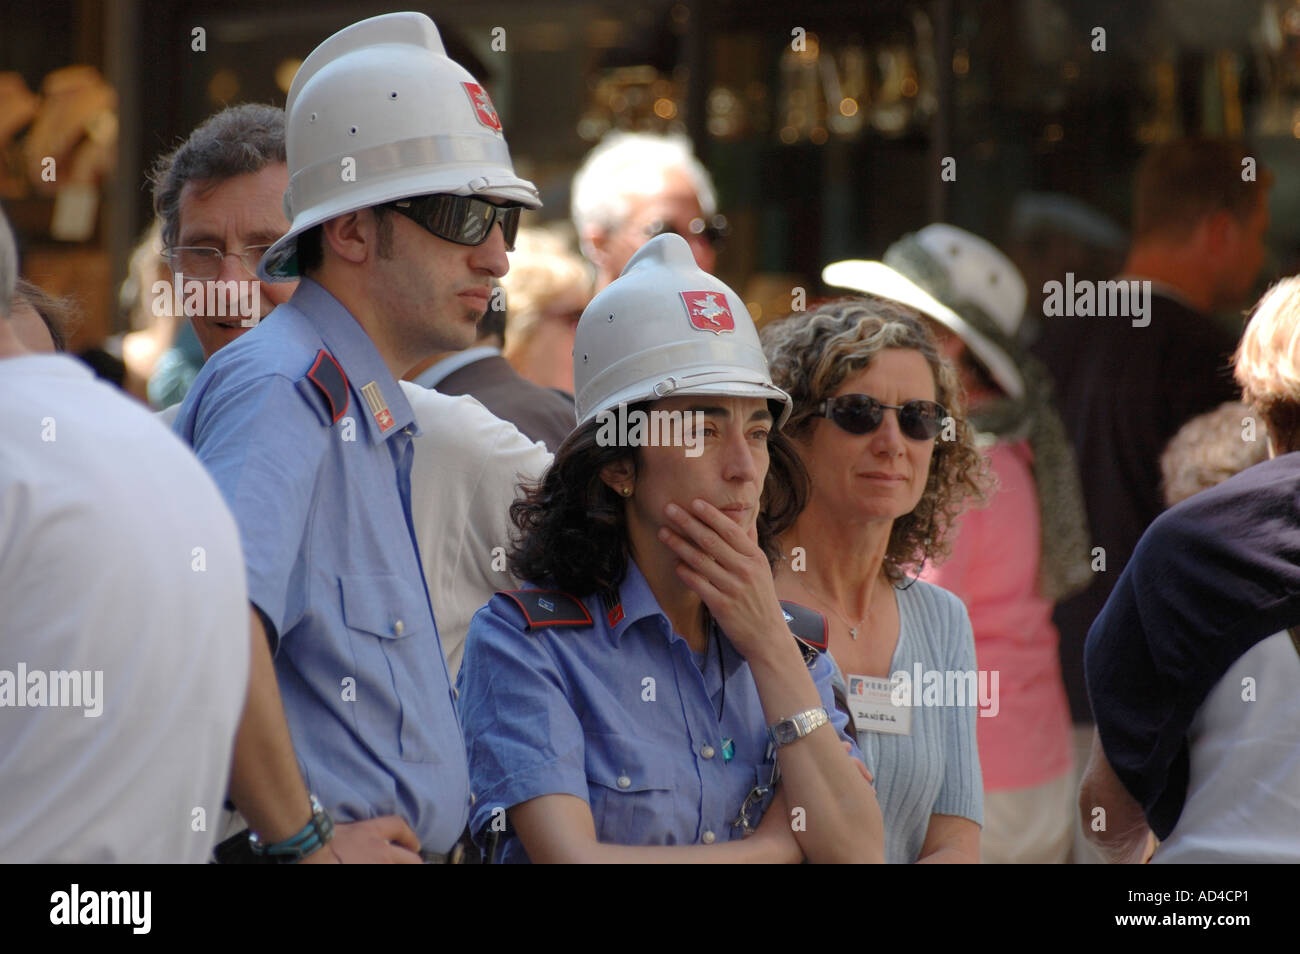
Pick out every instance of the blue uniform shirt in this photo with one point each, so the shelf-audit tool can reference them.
(324, 514)
(619, 715)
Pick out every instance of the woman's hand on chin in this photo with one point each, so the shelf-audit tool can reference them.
(722, 563)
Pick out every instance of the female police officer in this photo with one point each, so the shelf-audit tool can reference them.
(642, 705)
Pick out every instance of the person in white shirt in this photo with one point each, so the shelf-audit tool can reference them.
(467, 468)
(122, 677)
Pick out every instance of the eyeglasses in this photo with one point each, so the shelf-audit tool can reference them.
(714, 230)
(205, 263)
(862, 414)
(460, 218)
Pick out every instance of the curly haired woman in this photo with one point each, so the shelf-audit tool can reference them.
(878, 424)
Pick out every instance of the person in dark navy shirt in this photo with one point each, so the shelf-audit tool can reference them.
(1126, 385)
(1192, 665)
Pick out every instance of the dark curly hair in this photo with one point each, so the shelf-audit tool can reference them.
(572, 528)
(811, 354)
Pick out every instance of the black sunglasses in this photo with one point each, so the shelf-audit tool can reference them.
(715, 229)
(460, 218)
(862, 414)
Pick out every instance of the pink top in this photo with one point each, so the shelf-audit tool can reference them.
(993, 569)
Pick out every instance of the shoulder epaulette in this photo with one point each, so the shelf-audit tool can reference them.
(809, 629)
(332, 383)
(545, 608)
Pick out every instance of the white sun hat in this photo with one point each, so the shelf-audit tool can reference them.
(877, 278)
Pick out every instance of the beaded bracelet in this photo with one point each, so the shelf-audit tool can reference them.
(313, 835)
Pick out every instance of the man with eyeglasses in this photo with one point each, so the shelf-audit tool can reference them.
(399, 177)
(218, 197)
(634, 186)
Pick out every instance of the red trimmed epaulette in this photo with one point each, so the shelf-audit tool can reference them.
(546, 608)
(332, 383)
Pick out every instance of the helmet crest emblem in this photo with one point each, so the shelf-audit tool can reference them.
(483, 108)
(707, 313)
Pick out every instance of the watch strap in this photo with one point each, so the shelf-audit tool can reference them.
(797, 726)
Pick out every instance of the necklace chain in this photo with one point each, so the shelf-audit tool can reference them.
(722, 671)
(853, 627)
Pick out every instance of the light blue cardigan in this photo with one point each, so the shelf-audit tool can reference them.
(936, 768)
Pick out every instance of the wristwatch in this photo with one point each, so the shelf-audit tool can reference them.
(797, 726)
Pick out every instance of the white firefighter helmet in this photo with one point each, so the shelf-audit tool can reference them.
(665, 327)
(379, 112)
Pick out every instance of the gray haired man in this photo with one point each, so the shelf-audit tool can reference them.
(219, 198)
(634, 186)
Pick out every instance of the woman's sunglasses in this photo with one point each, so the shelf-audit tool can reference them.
(862, 414)
(459, 218)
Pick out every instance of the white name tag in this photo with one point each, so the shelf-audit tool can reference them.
(873, 708)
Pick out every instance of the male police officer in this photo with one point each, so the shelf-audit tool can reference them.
(399, 174)
(223, 186)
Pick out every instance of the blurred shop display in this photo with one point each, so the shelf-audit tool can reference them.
(825, 86)
(841, 88)
(633, 98)
(1279, 60)
(68, 148)
(830, 127)
(58, 146)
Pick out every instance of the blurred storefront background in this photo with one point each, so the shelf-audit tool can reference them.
(830, 127)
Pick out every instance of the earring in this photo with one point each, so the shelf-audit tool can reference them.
(625, 491)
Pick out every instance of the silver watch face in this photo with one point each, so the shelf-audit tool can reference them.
(785, 732)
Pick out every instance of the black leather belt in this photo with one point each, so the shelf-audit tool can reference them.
(464, 852)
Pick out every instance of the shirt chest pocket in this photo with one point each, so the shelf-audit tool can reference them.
(635, 789)
(396, 690)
